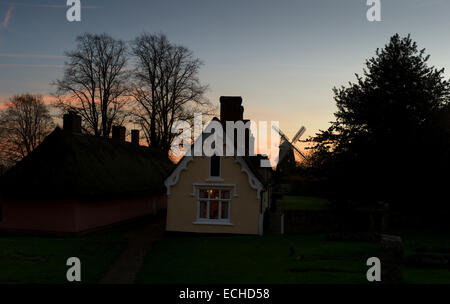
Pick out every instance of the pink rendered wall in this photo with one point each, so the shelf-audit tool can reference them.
(74, 216)
(38, 215)
(91, 215)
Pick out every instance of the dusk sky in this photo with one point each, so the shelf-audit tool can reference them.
(282, 57)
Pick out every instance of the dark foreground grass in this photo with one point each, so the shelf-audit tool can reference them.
(426, 243)
(268, 259)
(235, 259)
(43, 259)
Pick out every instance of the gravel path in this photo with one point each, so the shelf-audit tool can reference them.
(140, 240)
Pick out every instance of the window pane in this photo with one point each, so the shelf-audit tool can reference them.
(213, 209)
(203, 193)
(203, 210)
(225, 210)
(215, 166)
(214, 194)
(225, 194)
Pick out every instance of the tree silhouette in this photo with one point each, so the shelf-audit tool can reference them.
(379, 143)
(24, 124)
(95, 83)
(166, 87)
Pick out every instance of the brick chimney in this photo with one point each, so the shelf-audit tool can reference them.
(231, 108)
(135, 137)
(72, 122)
(118, 133)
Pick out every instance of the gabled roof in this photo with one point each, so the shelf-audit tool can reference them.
(70, 165)
(249, 165)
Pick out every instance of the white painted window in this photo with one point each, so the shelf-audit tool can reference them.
(213, 205)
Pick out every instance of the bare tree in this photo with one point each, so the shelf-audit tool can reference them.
(95, 83)
(167, 87)
(24, 124)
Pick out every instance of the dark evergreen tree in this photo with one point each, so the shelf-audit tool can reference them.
(387, 141)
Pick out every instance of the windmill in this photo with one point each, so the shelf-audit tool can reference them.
(286, 158)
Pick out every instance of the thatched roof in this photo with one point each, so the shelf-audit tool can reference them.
(70, 165)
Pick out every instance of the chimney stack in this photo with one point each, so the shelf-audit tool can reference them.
(72, 122)
(118, 133)
(231, 108)
(135, 137)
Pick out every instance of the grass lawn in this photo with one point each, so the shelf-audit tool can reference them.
(430, 244)
(267, 259)
(288, 202)
(235, 259)
(247, 259)
(43, 259)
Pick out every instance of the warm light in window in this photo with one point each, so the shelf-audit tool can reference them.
(214, 204)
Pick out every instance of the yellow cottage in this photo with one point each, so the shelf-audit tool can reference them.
(219, 194)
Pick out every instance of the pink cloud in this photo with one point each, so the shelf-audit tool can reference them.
(47, 98)
(5, 21)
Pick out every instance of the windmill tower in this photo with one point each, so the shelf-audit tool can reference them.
(286, 160)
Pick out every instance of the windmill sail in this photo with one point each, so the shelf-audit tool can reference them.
(288, 148)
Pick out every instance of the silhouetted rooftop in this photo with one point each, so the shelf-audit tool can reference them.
(70, 165)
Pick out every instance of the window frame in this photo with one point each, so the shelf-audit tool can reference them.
(219, 220)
